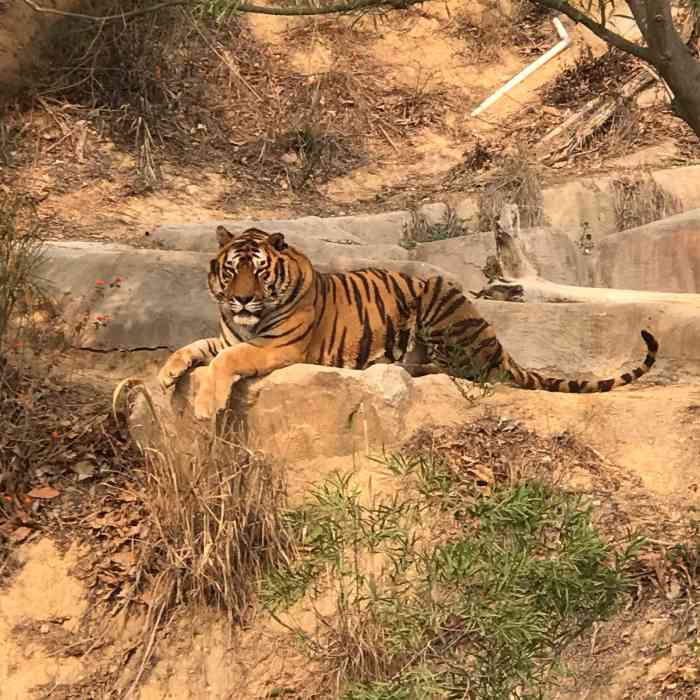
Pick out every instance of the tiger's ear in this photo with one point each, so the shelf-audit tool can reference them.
(223, 236)
(276, 240)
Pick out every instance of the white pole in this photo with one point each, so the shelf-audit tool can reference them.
(529, 70)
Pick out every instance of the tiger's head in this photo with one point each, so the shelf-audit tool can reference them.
(254, 273)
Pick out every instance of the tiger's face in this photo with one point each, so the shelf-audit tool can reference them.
(251, 274)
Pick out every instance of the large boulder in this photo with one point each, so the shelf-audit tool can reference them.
(115, 297)
(550, 252)
(378, 234)
(662, 256)
(591, 201)
(657, 257)
(306, 410)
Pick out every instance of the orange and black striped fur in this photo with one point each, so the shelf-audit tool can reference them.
(277, 310)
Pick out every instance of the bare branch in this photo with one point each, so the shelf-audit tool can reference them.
(598, 29)
(238, 7)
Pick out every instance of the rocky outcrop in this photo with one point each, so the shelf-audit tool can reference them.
(115, 297)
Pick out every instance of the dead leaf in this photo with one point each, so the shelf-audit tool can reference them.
(20, 534)
(124, 559)
(22, 516)
(148, 597)
(44, 492)
(83, 469)
(674, 590)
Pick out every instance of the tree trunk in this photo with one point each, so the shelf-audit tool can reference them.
(674, 61)
(682, 73)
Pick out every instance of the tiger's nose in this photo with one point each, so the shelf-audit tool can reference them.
(244, 300)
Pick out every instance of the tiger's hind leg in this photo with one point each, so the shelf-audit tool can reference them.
(201, 352)
(452, 323)
(457, 337)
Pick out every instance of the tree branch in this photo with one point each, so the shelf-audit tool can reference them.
(598, 29)
(237, 7)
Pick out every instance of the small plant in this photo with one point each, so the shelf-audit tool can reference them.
(213, 513)
(482, 39)
(448, 351)
(331, 523)
(147, 80)
(420, 230)
(218, 512)
(299, 158)
(21, 255)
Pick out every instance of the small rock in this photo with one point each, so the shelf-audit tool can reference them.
(290, 158)
(678, 650)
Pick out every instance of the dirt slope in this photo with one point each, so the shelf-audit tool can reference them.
(401, 122)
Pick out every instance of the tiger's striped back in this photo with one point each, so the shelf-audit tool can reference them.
(364, 316)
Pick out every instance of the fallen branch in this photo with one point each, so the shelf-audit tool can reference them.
(501, 291)
(587, 120)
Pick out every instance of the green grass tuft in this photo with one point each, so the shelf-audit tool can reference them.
(439, 597)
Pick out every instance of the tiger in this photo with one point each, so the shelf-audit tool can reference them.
(276, 309)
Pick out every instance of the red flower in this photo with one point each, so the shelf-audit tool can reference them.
(100, 283)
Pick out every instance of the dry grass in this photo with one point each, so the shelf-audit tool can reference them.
(589, 77)
(318, 129)
(146, 81)
(482, 40)
(21, 254)
(20, 258)
(527, 31)
(213, 511)
(516, 181)
(194, 88)
(420, 229)
(298, 159)
(639, 200)
(216, 508)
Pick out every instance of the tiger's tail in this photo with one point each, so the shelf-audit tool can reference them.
(528, 379)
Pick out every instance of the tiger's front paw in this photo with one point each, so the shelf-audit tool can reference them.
(171, 371)
(203, 406)
(212, 394)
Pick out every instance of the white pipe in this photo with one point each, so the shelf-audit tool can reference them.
(529, 70)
